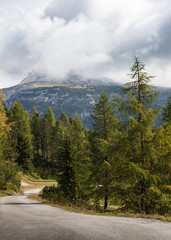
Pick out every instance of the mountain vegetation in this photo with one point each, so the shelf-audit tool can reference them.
(9, 181)
(125, 159)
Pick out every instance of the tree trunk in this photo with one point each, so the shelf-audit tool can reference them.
(106, 202)
(106, 193)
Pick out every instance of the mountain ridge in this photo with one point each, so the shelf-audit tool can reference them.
(69, 96)
(35, 77)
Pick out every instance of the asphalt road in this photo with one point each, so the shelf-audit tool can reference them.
(24, 219)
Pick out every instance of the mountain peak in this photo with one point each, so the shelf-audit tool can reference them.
(72, 79)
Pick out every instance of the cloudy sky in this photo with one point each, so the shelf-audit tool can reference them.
(92, 38)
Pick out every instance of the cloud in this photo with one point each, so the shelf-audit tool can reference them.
(93, 38)
(66, 9)
(164, 50)
(75, 51)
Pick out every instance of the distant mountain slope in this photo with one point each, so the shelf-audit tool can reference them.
(64, 97)
(35, 77)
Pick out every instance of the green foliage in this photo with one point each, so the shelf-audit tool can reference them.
(103, 164)
(142, 151)
(126, 161)
(47, 133)
(80, 155)
(21, 136)
(73, 159)
(56, 195)
(35, 124)
(43, 131)
(8, 177)
(167, 111)
(140, 88)
(8, 170)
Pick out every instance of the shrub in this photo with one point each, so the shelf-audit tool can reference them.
(11, 186)
(54, 194)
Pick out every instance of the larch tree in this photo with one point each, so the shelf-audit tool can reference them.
(139, 147)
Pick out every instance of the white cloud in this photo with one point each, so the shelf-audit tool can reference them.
(67, 9)
(94, 38)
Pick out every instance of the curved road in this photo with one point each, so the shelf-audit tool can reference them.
(24, 219)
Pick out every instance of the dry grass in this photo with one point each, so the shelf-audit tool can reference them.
(30, 183)
(113, 213)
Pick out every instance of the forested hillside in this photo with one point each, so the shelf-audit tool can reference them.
(124, 160)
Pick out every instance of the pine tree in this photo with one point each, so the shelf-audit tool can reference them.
(63, 119)
(73, 159)
(65, 173)
(46, 128)
(35, 123)
(48, 125)
(21, 135)
(105, 124)
(61, 130)
(167, 111)
(50, 117)
(80, 159)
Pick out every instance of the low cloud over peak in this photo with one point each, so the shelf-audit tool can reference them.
(92, 38)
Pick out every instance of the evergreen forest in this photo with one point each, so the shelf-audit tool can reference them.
(123, 160)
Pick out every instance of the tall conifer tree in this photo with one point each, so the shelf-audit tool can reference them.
(105, 123)
(138, 148)
(48, 126)
(73, 159)
(35, 123)
(80, 157)
(21, 135)
(167, 111)
(8, 155)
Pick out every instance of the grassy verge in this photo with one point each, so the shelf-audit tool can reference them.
(30, 184)
(9, 192)
(113, 213)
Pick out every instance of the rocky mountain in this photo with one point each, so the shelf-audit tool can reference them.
(35, 77)
(66, 96)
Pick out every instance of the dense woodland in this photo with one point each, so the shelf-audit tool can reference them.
(126, 162)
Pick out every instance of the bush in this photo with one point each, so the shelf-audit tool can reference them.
(54, 194)
(8, 178)
(152, 200)
(11, 186)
